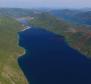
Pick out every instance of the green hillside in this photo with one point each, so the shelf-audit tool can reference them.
(10, 72)
(45, 20)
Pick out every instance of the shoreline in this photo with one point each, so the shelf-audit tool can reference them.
(27, 27)
(24, 50)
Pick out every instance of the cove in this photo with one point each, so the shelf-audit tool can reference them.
(50, 60)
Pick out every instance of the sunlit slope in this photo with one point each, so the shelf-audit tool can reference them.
(78, 36)
(10, 72)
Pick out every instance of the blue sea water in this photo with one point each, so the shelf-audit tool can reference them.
(50, 60)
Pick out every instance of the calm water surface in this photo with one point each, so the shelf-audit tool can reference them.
(50, 60)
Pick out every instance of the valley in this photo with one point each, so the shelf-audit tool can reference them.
(78, 36)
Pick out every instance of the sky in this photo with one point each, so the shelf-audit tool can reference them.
(46, 3)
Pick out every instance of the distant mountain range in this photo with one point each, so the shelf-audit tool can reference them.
(74, 16)
(81, 16)
(18, 12)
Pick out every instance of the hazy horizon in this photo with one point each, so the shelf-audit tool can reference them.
(75, 4)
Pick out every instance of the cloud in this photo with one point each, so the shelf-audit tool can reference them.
(46, 3)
